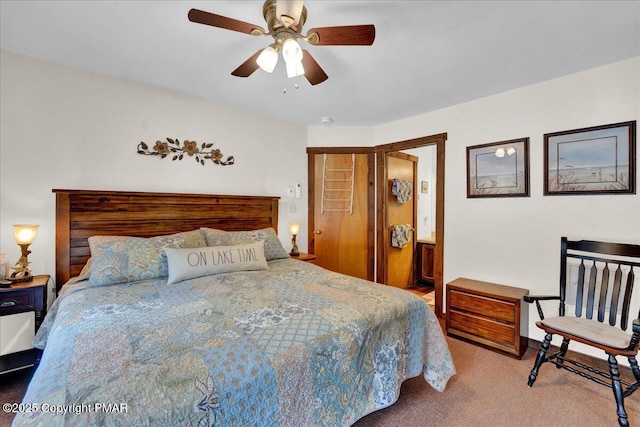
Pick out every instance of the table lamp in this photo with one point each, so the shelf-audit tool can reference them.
(294, 227)
(24, 235)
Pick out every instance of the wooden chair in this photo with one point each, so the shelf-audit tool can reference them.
(611, 266)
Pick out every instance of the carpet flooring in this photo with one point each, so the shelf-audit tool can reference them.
(489, 390)
(12, 387)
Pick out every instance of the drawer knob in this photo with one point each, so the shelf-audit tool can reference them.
(8, 303)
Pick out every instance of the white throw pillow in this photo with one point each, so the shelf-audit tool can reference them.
(189, 263)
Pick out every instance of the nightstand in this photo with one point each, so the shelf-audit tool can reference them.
(310, 258)
(22, 310)
(488, 314)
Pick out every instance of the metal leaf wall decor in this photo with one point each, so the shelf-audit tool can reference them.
(190, 148)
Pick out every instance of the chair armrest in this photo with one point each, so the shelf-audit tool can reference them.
(636, 326)
(537, 299)
(533, 298)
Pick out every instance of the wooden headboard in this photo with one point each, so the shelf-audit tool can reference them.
(81, 214)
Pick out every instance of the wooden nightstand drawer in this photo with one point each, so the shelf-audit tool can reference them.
(500, 310)
(17, 302)
(482, 327)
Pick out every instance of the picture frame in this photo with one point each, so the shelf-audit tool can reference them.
(498, 169)
(424, 187)
(592, 160)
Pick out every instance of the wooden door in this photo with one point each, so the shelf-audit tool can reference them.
(400, 261)
(342, 222)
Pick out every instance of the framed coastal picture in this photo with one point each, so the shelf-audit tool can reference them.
(498, 169)
(594, 160)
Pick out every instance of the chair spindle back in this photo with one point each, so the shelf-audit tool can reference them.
(598, 260)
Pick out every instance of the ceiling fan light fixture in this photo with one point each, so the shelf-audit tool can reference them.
(294, 69)
(291, 51)
(285, 19)
(268, 59)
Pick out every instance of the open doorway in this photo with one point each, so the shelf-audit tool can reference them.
(373, 211)
(437, 224)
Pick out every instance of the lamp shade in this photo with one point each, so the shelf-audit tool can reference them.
(268, 59)
(294, 69)
(291, 51)
(292, 54)
(294, 227)
(25, 233)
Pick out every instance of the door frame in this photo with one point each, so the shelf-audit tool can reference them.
(377, 206)
(371, 206)
(381, 150)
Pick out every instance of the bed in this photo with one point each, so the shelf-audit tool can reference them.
(279, 343)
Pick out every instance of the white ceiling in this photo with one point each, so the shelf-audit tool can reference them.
(427, 54)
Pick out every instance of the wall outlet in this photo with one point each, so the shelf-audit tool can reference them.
(291, 192)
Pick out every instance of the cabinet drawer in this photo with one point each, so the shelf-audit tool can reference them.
(16, 302)
(483, 327)
(496, 309)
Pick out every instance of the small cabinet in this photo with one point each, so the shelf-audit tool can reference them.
(488, 314)
(425, 263)
(23, 307)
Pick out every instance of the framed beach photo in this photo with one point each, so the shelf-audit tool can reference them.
(499, 169)
(594, 160)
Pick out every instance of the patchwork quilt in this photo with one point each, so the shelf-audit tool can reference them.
(294, 345)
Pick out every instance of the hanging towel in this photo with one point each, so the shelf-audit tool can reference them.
(401, 235)
(402, 190)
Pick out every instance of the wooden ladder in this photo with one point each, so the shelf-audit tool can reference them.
(337, 187)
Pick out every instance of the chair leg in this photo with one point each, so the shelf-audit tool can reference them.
(617, 391)
(563, 352)
(540, 358)
(634, 368)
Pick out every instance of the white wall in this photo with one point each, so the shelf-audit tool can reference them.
(67, 128)
(339, 136)
(515, 241)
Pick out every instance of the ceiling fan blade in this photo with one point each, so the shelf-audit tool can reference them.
(351, 35)
(247, 67)
(207, 18)
(289, 8)
(312, 71)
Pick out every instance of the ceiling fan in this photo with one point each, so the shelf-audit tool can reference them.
(285, 19)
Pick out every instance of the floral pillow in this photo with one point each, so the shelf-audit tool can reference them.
(273, 248)
(189, 263)
(120, 259)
